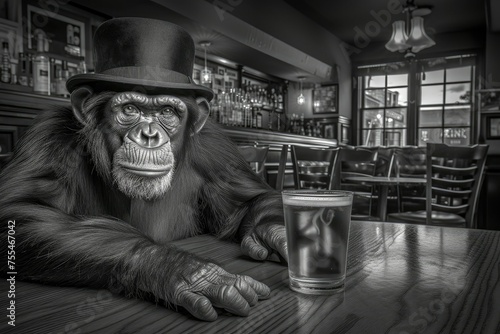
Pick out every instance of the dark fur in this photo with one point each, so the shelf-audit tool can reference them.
(73, 227)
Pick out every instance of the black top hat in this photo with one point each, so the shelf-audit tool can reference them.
(142, 54)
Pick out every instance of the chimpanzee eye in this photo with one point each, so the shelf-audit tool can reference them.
(169, 118)
(168, 111)
(130, 110)
(129, 114)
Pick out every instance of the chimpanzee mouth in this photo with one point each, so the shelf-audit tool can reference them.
(147, 171)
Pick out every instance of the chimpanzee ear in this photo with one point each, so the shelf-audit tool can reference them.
(204, 111)
(78, 98)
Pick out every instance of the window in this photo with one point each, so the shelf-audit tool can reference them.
(441, 110)
(385, 108)
(445, 109)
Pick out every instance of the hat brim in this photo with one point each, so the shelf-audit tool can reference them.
(108, 82)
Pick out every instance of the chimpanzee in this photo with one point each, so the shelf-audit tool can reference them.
(98, 190)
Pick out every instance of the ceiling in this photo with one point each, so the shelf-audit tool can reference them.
(301, 32)
(342, 17)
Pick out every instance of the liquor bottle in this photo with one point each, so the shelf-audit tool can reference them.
(6, 74)
(60, 81)
(302, 130)
(41, 69)
(214, 107)
(22, 78)
(30, 70)
(258, 120)
(82, 67)
(63, 91)
(280, 99)
(52, 76)
(274, 99)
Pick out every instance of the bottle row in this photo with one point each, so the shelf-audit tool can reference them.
(45, 75)
(300, 126)
(250, 107)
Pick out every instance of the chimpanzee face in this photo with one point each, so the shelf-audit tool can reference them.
(143, 165)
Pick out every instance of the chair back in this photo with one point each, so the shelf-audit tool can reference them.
(385, 160)
(410, 161)
(256, 156)
(357, 161)
(454, 180)
(314, 167)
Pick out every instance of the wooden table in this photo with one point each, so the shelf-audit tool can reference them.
(383, 183)
(401, 278)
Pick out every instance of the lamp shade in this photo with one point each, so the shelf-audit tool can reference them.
(418, 39)
(398, 38)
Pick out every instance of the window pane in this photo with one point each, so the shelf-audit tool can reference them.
(429, 136)
(432, 94)
(395, 137)
(430, 116)
(373, 118)
(397, 80)
(457, 116)
(397, 97)
(396, 117)
(372, 138)
(457, 136)
(429, 77)
(458, 93)
(375, 81)
(374, 98)
(458, 74)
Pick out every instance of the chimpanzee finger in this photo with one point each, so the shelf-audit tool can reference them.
(228, 298)
(246, 290)
(275, 237)
(250, 246)
(197, 305)
(262, 290)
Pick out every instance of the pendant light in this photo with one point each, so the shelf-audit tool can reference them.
(206, 74)
(301, 99)
(410, 37)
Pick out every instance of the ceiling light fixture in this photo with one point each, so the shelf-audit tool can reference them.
(412, 37)
(206, 74)
(301, 99)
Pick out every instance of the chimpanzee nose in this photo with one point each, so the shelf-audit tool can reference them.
(148, 135)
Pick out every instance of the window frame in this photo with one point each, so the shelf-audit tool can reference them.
(414, 70)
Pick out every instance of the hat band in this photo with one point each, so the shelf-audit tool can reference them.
(150, 73)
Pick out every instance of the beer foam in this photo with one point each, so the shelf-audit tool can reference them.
(316, 201)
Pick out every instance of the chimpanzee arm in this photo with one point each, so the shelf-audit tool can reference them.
(63, 237)
(238, 203)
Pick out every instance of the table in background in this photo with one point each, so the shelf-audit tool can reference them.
(401, 278)
(383, 183)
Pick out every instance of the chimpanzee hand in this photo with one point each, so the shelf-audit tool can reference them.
(264, 240)
(209, 285)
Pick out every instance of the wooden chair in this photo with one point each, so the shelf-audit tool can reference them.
(454, 179)
(358, 161)
(256, 156)
(280, 179)
(314, 167)
(410, 161)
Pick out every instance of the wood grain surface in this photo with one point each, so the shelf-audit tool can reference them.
(401, 278)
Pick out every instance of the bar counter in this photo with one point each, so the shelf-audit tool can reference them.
(401, 278)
